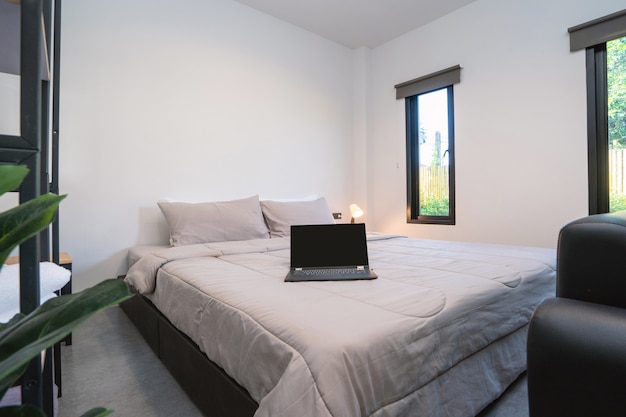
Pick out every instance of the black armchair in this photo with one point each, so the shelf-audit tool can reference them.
(577, 341)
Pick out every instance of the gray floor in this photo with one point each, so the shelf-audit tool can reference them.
(109, 365)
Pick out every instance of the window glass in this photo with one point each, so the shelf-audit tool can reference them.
(433, 152)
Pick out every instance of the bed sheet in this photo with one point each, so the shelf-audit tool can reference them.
(361, 348)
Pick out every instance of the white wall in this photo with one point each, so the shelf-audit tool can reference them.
(10, 104)
(199, 100)
(520, 120)
(9, 125)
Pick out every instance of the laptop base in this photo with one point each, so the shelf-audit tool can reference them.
(321, 275)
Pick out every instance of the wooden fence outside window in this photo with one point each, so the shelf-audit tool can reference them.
(434, 182)
(617, 171)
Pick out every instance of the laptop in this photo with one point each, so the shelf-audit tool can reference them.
(329, 252)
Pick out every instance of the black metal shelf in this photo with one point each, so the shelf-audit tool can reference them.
(38, 33)
(15, 150)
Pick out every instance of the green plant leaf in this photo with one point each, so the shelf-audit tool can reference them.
(25, 337)
(11, 176)
(21, 222)
(17, 317)
(15, 375)
(25, 410)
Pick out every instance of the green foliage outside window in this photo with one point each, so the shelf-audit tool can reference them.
(617, 202)
(432, 206)
(616, 80)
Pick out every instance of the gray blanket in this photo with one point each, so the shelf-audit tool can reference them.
(358, 348)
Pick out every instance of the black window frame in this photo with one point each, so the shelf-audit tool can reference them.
(592, 37)
(597, 129)
(413, 165)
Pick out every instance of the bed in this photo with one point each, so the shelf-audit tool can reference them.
(441, 332)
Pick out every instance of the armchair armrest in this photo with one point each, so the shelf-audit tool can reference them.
(591, 261)
(577, 359)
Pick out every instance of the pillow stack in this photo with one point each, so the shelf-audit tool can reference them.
(243, 219)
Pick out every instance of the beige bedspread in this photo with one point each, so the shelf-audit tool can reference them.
(352, 348)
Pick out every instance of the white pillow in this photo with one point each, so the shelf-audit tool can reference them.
(221, 221)
(281, 215)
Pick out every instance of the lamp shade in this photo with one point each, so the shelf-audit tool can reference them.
(355, 211)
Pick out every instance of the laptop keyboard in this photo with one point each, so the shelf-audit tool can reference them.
(327, 271)
(330, 274)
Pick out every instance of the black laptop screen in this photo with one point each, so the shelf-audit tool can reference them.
(328, 245)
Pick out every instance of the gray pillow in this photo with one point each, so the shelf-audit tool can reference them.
(281, 215)
(220, 221)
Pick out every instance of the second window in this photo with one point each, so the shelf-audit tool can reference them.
(430, 157)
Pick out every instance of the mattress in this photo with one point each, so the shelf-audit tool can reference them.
(427, 337)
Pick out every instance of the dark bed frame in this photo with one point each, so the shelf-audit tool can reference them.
(207, 385)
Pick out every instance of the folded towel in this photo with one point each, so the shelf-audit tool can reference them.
(52, 277)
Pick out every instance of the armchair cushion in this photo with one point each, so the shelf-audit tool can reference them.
(576, 359)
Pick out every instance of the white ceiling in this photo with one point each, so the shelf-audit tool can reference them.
(357, 23)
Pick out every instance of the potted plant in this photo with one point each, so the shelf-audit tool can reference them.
(24, 337)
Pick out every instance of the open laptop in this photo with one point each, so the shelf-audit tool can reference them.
(329, 252)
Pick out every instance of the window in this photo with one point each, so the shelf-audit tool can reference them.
(605, 43)
(429, 103)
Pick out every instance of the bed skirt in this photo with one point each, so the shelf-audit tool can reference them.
(206, 384)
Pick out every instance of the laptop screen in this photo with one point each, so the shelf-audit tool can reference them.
(328, 245)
